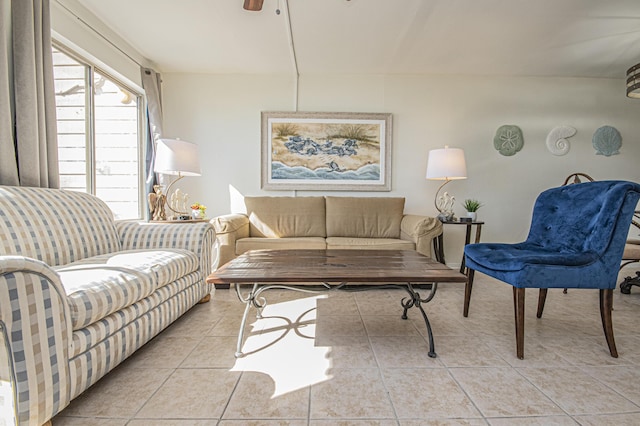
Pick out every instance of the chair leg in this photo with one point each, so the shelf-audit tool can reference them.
(606, 306)
(467, 292)
(542, 297)
(518, 308)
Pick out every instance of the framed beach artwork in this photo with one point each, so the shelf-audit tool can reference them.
(326, 151)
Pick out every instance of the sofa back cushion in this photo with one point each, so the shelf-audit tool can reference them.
(286, 217)
(364, 217)
(55, 226)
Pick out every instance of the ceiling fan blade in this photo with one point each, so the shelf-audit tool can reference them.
(253, 5)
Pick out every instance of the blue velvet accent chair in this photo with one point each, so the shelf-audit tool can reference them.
(576, 240)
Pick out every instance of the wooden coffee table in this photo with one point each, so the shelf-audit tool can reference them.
(322, 270)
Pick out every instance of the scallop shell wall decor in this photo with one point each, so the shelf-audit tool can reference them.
(508, 140)
(607, 141)
(557, 142)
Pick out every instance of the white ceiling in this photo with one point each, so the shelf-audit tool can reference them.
(572, 38)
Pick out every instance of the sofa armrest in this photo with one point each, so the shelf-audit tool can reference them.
(198, 237)
(230, 228)
(35, 339)
(421, 230)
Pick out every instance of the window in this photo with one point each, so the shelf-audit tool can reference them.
(99, 134)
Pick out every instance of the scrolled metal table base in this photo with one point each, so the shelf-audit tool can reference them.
(254, 298)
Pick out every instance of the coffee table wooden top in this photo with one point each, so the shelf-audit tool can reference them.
(314, 266)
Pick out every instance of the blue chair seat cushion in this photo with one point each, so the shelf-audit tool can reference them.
(514, 257)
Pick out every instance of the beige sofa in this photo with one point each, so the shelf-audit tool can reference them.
(324, 223)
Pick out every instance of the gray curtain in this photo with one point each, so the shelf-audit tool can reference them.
(28, 136)
(151, 82)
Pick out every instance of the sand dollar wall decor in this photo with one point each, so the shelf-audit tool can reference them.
(557, 142)
(607, 141)
(508, 140)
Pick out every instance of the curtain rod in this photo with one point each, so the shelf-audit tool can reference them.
(100, 34)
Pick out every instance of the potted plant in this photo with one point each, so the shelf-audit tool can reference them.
(472, 206)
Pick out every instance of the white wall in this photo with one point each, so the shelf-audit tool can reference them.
(221, 113)
(76, 27)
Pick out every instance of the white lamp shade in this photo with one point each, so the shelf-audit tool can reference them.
(446, 164)
(176, 157)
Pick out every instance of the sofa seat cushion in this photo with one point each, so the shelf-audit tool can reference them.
(91, 335)
(101, 285)
(311, 243)
(364, 217)
(369, 243)
(286, 217)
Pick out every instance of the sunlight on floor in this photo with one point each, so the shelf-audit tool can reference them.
(282, 345)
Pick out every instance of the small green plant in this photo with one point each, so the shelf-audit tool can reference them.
(471, 205)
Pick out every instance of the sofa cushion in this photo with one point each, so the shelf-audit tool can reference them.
(101, 285)
(251, 243)
(283, 217)
(369, 243)
(91, 335)
(55, 226)
(364, 217)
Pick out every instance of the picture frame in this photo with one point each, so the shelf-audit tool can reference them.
(326, 151)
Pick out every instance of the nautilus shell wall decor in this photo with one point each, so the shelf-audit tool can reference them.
(508, 140)
(557, 142)
(607, 141)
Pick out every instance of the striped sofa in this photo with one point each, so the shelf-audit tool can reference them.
(80, 292)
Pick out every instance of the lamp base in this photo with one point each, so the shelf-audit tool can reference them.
(446, 217)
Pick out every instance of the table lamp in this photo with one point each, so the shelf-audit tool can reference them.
(446, 164)
(179, 158)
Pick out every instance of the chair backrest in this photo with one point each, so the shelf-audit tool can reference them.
(590, 217)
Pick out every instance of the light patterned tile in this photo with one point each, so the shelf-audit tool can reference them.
(191, 394)
(262, 422)
(163, 352)
(444, 422)
(351, 394)
(577, 392)
(351, 422)
(254, 397)
(340, 325)
(428, 393)
(534, 421)
(459, 351)
(389, 325)
(502, 392)
(627, 419)
(623, 379)
(121, 393)
(87, 421)
(403, 352)
(212, 352)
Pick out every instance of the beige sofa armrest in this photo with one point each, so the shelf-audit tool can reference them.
(229, 228)
(421, 230)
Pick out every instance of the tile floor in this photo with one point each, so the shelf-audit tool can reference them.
(348, 359)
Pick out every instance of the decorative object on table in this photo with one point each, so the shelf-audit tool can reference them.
(472, 206)
(178, 201)
(326, 151)
(157, 201)
(508, 140)
(557, 142)
(633, 82)
(180, 158)
(198, 211)
(607, 141)
(446, 164)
